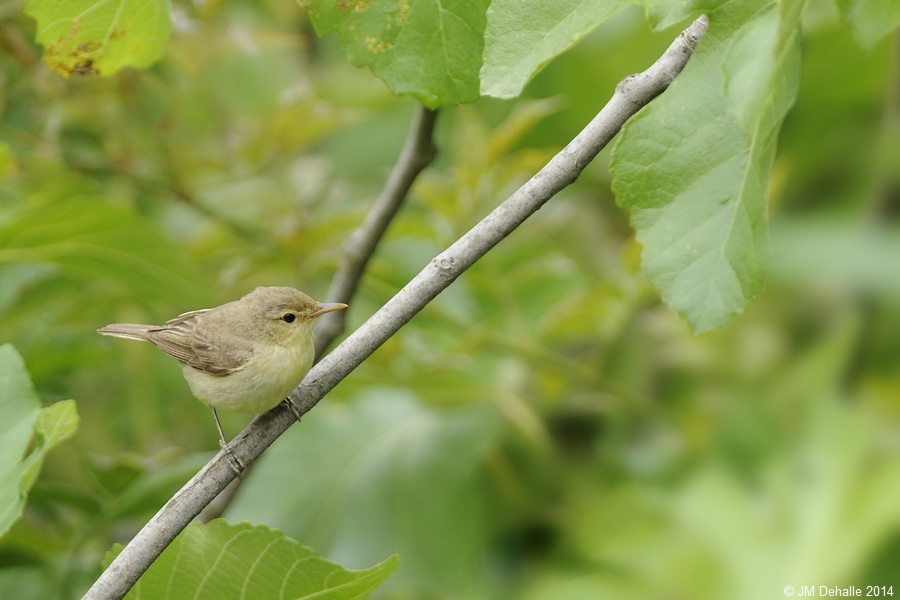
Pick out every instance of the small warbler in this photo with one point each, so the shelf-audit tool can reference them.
(244, 356)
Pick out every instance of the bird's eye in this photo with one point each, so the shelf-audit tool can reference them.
(289, 317)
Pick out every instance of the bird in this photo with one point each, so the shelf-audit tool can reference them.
(243, 356)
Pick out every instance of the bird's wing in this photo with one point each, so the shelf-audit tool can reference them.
(185, 316)
(184, 338)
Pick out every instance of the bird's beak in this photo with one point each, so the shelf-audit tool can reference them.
(327, 307)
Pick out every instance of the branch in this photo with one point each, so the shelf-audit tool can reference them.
(417, 153)
(631, 94)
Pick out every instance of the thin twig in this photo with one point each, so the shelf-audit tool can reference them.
(631, 94)
(418, 151)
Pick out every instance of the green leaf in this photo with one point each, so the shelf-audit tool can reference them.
(373, 477)
(428, 49)
(693, 167)
(522, 36)
(27, 433)
(870, 20)
(95, 239)
(100, 36)
(220, 560)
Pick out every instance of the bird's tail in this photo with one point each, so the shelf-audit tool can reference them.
(130, 331)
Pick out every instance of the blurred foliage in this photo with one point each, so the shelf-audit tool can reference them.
(546, 427)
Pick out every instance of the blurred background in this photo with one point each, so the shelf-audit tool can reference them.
(546, 428)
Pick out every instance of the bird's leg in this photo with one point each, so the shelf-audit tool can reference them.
(289, 404)
(233, 461)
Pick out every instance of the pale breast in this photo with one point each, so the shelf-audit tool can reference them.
(257, 387)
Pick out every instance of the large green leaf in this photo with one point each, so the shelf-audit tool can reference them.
(27, 433)
(384, 475)
(693, 167)
(435, 50)
(429, 49)
(220, 560)
(522, 36)
(100, 36)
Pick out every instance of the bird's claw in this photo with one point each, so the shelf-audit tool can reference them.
(289, 404)
(233, 461)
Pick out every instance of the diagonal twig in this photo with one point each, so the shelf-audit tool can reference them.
(631, 94)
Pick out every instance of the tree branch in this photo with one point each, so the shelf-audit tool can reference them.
(631, 94)
(418, 151)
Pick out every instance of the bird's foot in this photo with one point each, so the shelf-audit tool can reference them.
(289, 404)
(233, 461)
